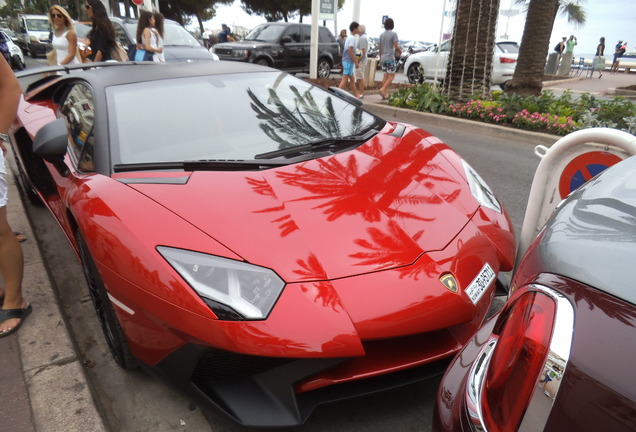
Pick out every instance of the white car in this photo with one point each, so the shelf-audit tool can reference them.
(16, 58)
(432, 64)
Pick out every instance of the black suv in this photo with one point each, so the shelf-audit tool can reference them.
(283, 46)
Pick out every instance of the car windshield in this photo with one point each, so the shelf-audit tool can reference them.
(38, 24)
(226, 117)
(266, 32)
(174, 35)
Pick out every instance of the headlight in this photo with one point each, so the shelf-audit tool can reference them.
(241, 53)
(480, 189)
(15, 49)
(232, 289)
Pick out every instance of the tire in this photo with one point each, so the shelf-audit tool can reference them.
(262, 62)
(16, 63)
(324, 68)
(415, 74)
(105, 312)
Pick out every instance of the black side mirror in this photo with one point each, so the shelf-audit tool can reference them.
(51, 142)
(286, 39)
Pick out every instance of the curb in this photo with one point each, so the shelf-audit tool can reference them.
(406, 115)
(55, 383)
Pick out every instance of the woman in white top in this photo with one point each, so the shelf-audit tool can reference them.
(64, 37)
(147, 37)
(158, 56)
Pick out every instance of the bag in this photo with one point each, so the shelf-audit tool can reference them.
(135, 54)
(557, 48)
(51, 58)
(119, 53)
(599, 63)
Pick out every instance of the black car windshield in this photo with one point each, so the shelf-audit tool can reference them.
(266, 32)
(226, 117)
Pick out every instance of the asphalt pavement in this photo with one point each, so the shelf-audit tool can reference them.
(44, 384)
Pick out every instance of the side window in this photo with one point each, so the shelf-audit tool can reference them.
(120, 33)
(306, 34)
(294, 33)
(79, 114)
(325, 36)
(445, 46)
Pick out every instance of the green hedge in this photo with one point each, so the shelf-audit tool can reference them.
(546, 113)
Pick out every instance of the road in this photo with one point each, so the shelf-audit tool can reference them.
(136, 401)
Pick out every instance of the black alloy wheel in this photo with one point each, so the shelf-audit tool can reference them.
(105, 312)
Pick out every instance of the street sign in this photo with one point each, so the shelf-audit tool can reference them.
(328, 9)
(582, 168)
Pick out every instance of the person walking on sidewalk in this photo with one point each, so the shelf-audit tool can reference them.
(389, 50)
(350, 61)
(619, 50)
(599, 58)
(363, 49)
(14, 308)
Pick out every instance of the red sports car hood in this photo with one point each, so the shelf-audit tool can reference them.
(380, 206)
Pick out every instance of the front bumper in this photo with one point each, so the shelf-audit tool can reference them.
(262, 392)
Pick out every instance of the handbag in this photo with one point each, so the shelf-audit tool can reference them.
(599, 63)
(139, 54)
(51, 58)
(119, 53)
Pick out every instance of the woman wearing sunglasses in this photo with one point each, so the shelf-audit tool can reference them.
(102, 35)
(64, 39)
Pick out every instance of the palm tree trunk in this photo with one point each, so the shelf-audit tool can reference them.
(535, 43)
(470, 59)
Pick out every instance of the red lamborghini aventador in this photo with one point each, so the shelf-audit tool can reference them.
(263, 243)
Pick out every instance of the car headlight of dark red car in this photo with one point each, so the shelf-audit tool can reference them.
(233, 289)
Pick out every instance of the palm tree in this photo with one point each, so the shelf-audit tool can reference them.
(535, 43)
(469, 66)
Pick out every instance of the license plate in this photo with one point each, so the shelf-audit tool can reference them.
(478, 286)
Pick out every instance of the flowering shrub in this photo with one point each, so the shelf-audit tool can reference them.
(546, 113)
(551, 123)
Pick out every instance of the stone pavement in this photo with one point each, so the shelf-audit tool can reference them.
(45, 388)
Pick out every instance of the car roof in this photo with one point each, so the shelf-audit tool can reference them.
(102, 75)
(591, 237)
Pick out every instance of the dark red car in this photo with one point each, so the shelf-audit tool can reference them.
(560, 355)
(261, 242)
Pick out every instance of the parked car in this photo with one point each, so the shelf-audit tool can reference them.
(34, 32)
(560, 355)
(12, 53)
(284, 46)
(11, 34)
(179, 44)
(432, 63)
(284, 251)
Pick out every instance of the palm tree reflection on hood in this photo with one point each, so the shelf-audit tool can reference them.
(383, 178)
(306, 122)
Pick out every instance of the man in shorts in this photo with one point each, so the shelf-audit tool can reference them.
(389, 50)
(350, 61)
(13, 307)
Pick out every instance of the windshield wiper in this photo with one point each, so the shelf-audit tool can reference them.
(329, 143)
(200, 165)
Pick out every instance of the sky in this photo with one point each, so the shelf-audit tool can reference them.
(423, 20)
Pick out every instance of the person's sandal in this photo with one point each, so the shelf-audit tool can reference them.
(7, 314)
(19, 236)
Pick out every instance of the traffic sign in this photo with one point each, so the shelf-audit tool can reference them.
(582, 168)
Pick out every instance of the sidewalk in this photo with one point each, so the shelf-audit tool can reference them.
(45, 388)
(43, 381)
